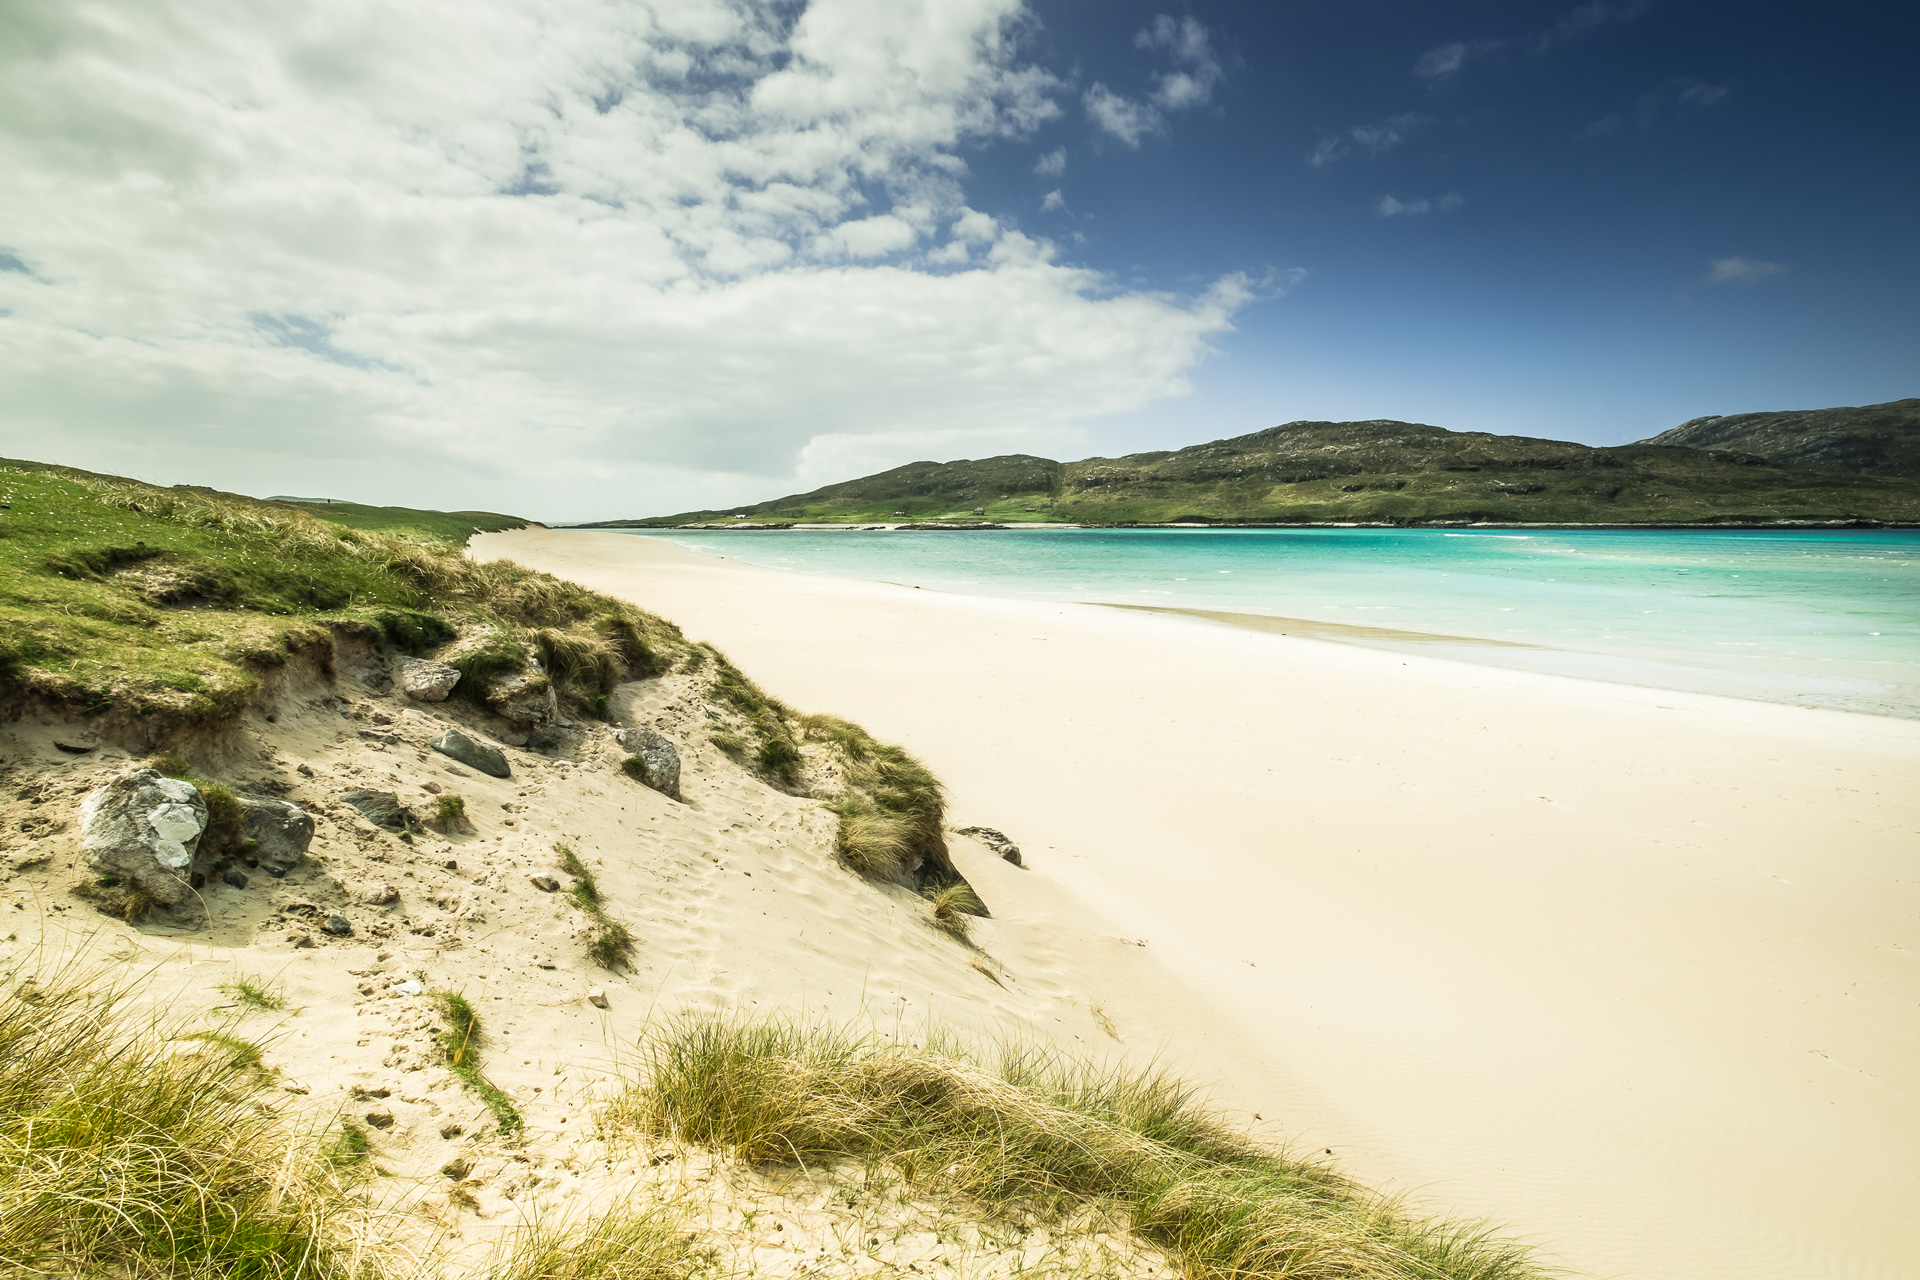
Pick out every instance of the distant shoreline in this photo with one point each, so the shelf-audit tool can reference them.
(1724, 526)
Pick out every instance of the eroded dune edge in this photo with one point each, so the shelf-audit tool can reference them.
(365, 910)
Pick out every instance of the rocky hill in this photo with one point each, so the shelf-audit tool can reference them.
(1871, 440)
(1378, 471)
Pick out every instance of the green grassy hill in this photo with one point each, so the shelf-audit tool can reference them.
(1870, 440)
(440, 526)
(1386, 471)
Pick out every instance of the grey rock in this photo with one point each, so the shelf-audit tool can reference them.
(339, 927)
(426, 681)
(524, 697)
(996, 841)
(379, 895)
(381, 808)
(545, 884)
(597, 997)
(144, 827)
(655, 760)
(475, 755)
(236, 879)
(281, 832)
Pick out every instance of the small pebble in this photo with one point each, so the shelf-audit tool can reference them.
(339, 927)
(545, 884)
(597, 997)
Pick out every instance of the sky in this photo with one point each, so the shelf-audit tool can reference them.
(586, 259)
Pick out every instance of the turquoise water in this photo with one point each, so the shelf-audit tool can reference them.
(1825, 618)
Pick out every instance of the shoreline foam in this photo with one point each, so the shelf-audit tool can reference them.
(1616, 967)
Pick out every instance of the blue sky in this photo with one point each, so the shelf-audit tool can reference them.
(593, 258)
(1603, 156)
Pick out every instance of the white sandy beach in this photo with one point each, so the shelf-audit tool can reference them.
(1634, 973)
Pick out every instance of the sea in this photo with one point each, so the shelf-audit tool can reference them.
(1821, 618)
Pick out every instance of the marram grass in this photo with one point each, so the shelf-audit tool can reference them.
(1032, 1135)
(129, 1149)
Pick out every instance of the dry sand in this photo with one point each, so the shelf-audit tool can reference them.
(1636, 973)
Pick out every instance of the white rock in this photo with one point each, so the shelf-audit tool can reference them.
(409, 988)
(143, 827)
(426, 681)
(379, 895)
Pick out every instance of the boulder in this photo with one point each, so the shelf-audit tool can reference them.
(655, 761)
(475, 755)
(381, 808)
(281, 832)
(426, 681)
(524, 697)
(143, 828)
(994, 840)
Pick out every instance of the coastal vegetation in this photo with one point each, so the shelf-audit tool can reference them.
(1032, 1137)
(1374, 472)
(1871, 440)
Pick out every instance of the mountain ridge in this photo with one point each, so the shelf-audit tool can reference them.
(1376, 470)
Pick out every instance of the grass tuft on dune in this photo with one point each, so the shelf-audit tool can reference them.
(144, 1150)
(1033, 1135)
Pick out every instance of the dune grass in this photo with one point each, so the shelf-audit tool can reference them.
(460, 1046)
(255, 993)
(633, 1242)
(450, 816)
(128, 1148)
(892, 809)
(952, 908)
(172, 605)
(1033, 1136)
(612, 942)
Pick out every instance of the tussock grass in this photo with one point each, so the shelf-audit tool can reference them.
(892, 809)
(450, 816)
(128, 1149)
(612, 942)
(953, 908)
(460, 1048)
(1032, 1135)
(255, 993)
(629, 1243)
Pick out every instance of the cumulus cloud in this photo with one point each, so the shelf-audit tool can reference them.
(1743, 270)
(1392, 208)
(1054, 202)
(565, 256)
(1052, 164)
(1120, 117)
(1196, 70)
(1190, 84)
(1374, 139)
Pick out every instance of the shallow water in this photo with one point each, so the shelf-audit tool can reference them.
(1818, 618)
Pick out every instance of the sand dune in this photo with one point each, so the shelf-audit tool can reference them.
(1636, 973)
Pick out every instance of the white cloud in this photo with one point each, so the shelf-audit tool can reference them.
(1054, 202)
(1743, 270)
(1392, 208)
(1052, 164)
(566, 257)
(1677, 96)
(1588, 18)
(1374, 139)
(1445, 61)
(1197, 71)
(1120, 117)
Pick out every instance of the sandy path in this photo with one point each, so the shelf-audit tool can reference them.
(1634, 972)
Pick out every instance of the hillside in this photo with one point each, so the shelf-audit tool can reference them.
(1395, 472)
(1871, 440)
